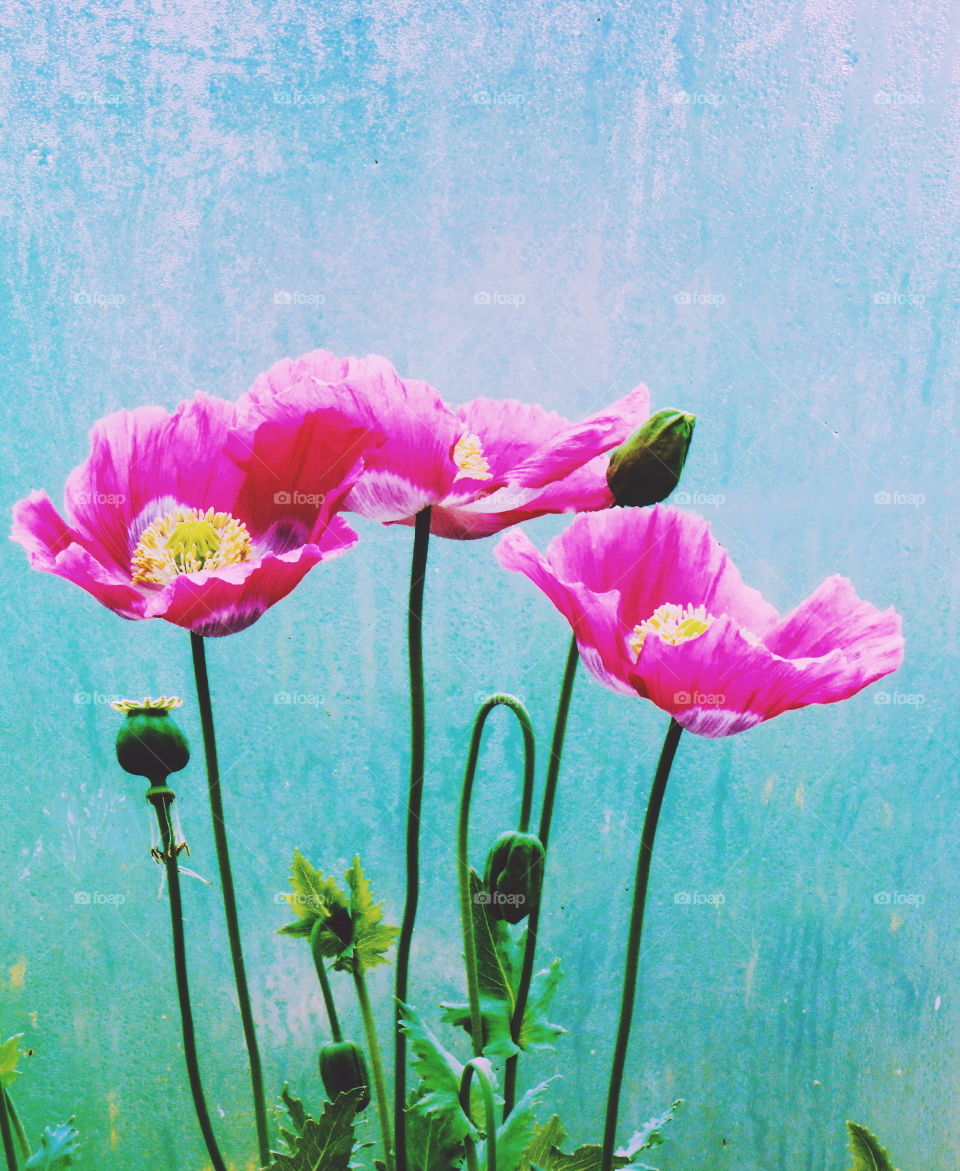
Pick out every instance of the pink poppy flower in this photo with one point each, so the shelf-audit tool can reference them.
(482, 467)
(205, 517)
(660, 611)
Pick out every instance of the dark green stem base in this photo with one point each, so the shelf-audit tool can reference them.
(161, 804)
(546, 817)
(229, 896)
(418, 571)
(632, 961)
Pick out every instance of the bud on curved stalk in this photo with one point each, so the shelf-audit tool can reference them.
(646, 468)
(149, 743)
(514, 875)
(343, 1068)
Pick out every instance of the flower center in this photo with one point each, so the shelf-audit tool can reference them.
(469, 458)
(166, 703)
(672, 623)
(187, 540)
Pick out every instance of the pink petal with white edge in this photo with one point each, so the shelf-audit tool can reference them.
(593, 617)
(230, 599)
(414, 466)
(54, 547)
(657, 555)
(143, 456)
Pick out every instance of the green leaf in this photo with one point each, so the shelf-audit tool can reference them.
(9, 1056)
(515, 1132)
(867, 1153)
(314, 897)
(439, 1073)
(495, 972)
(650, 1134)
(432, 1143)
(372, 939)
(537, 1032)
(58, 1145)
(318, 1144)
(544, 1150)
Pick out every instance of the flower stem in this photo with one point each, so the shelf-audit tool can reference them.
(17, 1126)
(632, 961)
(7, 1134)
(480, 1067)
(418, 569)
(318, 963)
(161, 798)
(229, 896)
(376, 1063)
(533, 923)
(463, 853)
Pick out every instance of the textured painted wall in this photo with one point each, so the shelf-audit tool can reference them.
(750, 206)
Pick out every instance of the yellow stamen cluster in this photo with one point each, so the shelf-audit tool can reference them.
(166, 703)
(469, 458)
(187, 540)
(671, 623)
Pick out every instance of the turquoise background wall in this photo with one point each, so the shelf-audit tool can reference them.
(751, 207)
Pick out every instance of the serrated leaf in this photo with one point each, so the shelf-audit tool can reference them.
(439, 1073)
(515, 1132)
(9, 1056)
(536, 1033)
(544, 1150)
(314, 897)
(58, 1145)
(318, 1144)
(495, 973)
(650, 1134)
(432, 1144)
(372, 938)
(867, 1153)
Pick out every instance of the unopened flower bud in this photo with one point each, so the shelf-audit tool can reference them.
(343, 1068)
(149, 743)
(646, 468)
(514, 875)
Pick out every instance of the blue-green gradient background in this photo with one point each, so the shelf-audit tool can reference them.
(749, 206)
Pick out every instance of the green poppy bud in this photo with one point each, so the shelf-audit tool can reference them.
(343, 1068)
(646, 468)
(514, 876)
(149, 743)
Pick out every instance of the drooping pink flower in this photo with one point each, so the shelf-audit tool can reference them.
(659, 610)
(205, 517)
(482, 467)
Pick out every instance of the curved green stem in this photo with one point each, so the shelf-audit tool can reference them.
(463, 853)
(7, 1134)
(376, 1064)
(161, 802)
(326, 990)
(17, 1126)
(546, 817)
(229, 895)
(632, 961)
(418, 569)
(478, 1066)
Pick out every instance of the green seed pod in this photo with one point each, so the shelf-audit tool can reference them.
(646, 468)
(149, 743)
(514, 876)
(343, 1068)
